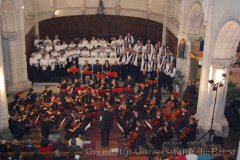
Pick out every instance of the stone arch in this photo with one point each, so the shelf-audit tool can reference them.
(227, 40)
(195, 20)
(7, 16)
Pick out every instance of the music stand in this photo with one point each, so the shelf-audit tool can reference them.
(211, 132)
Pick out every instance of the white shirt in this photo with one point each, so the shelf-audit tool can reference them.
(85, 54)
(52, 63)
(113, 43)
(89, 46)
(58, 48)
(72, 45)
(55, 54)
(33, 61)
(171, 71)
(44, 64)
(55, 42)
(80, 45)
(46, 41)
(62, 61)
(36, 42)
(102, 55)
(113, 54)
(38, 56)
(49, 48)
(64, 46)
(146, 66)
(69, 55)
(93, 42)
(94, 54)
(76, 53)
(120, 41)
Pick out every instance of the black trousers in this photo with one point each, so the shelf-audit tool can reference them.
(162, 81)
(105, 134)
(170, 83)
(124, 71)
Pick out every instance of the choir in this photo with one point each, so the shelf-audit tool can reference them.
(127, 57)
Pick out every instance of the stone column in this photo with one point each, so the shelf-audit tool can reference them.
(211, 70)
(165, 19)
(4, 132)
(15, 52)
(36, 17)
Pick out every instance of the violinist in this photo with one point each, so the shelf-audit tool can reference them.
(129, 82)
(63, 86)
(72, 129)
(138, 136)
(188, 133)
(46, 94)
(173, 99)
(31, 97)
(76, 84)
(157, 96)
(46, 126)
(15, 126)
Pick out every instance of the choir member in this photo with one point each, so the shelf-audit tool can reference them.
(118, 50)
(129, 38)
(37, 40)
(94, 53)
(49, 47)
(85, 53)
(72, 45)
(76, 54)
(56, 40)
(69, 55)
(44, 63)
(62, 62)
(120, 40)
(64, 45)
(34, 67)
(123, 60)
(58, 46)
(46, 41)
(80, 45)
(107, 51)
(163, 74)
(113, 53)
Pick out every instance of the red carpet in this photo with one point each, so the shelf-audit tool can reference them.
(92, 152)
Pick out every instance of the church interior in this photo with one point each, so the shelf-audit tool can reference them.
(119, 79)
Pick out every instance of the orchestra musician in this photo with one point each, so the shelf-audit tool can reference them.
(86, 67)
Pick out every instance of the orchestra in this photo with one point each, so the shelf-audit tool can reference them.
(129, 90)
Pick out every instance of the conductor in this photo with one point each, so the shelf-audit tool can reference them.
(106, 121)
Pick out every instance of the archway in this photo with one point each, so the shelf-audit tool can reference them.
(224, 55)
(8, 18)
(195, 30)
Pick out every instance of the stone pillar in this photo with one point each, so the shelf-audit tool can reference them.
(211, 71)
(164, 34)
(4, 131)
(36, 17)
(14, 52)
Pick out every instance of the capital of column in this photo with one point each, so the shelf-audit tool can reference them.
(19, 86)
(11, 36)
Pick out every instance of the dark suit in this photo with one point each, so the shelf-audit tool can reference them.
(106, 125)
